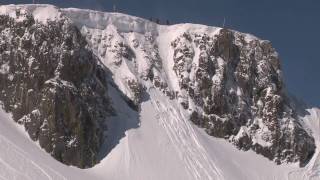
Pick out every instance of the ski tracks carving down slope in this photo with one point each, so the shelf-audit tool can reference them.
(185, 140)
(15, 162)
(23, 159)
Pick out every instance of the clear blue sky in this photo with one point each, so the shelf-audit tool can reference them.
(293, 27)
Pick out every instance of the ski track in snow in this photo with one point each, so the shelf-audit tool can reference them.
(186, 142)
(15, 162)
(16, 165)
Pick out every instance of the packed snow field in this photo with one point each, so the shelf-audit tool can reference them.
(159, 141)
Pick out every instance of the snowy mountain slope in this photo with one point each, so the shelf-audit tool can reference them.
(230, 82)
(159, 142)
(21, 158)
(152, 151)
(181, 150)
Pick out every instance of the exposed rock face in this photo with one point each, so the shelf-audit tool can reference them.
(230, 83)
(235, 91)
(53, 85)
(226, 82)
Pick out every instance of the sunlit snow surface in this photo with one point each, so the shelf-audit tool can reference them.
(165, 145)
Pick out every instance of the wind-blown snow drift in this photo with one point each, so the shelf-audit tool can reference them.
(166, 145)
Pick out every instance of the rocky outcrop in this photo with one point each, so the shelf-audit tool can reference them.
(237, 90)
(230, 84)
(53, 85)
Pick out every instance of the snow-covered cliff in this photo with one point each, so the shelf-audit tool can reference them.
(137, 96)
